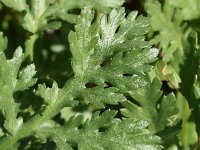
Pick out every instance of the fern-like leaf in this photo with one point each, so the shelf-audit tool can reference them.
(102, 132)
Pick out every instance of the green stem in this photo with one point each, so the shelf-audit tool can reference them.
(29, 50)
(29, 128)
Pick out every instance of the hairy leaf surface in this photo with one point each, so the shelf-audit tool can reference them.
(103, 132)
(13, 80)
(110, 59)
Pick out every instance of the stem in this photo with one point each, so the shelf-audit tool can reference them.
(29, 128)
(29, 51)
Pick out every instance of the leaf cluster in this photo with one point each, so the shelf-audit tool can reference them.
(87, 75)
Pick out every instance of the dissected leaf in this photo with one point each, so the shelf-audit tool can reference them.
(94, 90)
(153, 106)
(11, 83)
(92, 55)
(41, 15)
(50, 95)
(103, 132)
(168, 22)
(180, 52)
(110, 58)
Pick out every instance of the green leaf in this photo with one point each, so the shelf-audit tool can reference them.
(97, 48)
(110, 59)
(98, 96)
(150, 108)
(117, 31)
(83, 41)
(63, 7)
(103, 132)
(189, 8)
(168, 22)
(89, 50)
(41, 15)
(150, 104)
(50, 95)
(18, 5)
(187, 135)
(25, 77)
(191, 68)
(34, 19)
(11, 82)
(179, 44)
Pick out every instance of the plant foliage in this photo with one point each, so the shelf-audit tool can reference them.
(87, 75)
